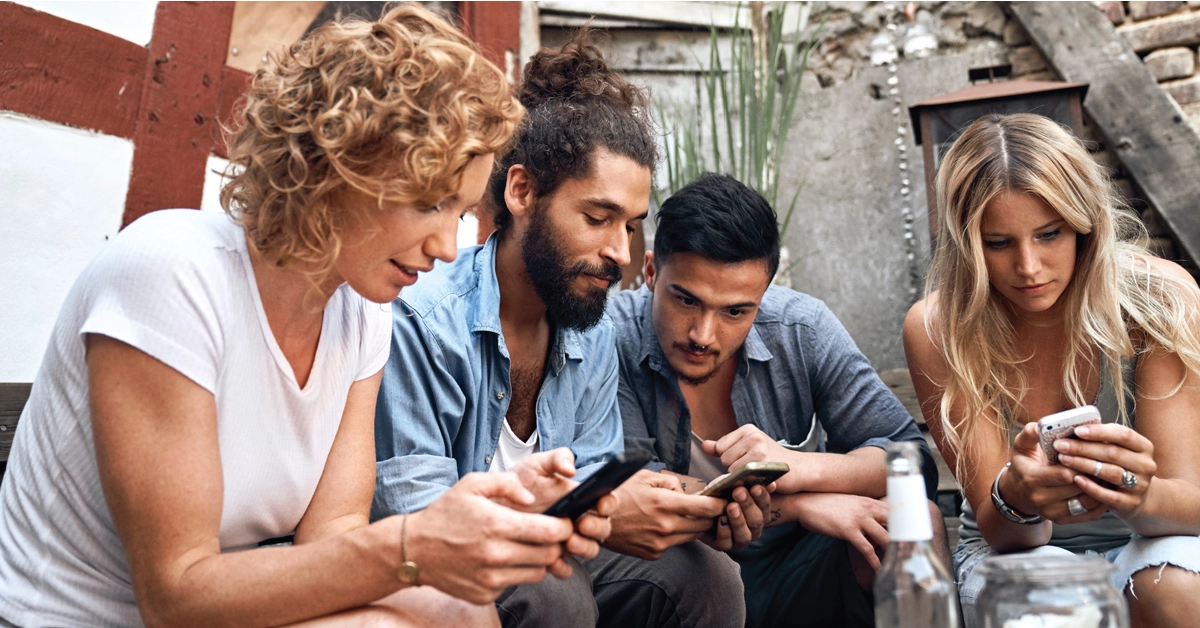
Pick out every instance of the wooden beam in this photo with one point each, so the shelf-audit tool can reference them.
(68, 73)
(496, 27)
(12, 402)
(1145, 128)
(234, 84)
(179, 94)
(261, 27)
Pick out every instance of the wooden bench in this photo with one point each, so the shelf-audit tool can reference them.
(12, 402)
(949, 493)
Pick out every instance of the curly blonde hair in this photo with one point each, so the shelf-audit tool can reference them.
(1116, 304)
(394, 109)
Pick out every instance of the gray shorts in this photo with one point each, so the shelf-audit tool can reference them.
(1140, 553)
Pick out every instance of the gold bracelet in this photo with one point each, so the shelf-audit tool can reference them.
(409, 571)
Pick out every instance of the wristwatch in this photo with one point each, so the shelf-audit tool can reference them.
(1008, 511)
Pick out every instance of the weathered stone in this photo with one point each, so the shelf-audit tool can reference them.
(1044, 75)
(1154, 223)
(1014, 34)
(950, 32)
(1125, 189)
(1115, 11)
(1163, 247)
(1181, 29)
(1192, 111)
(985, 18)
(1026, 59)
(1145, 10)
(1171, 63)
(1185, 92)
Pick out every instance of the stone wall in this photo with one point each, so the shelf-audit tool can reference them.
(859, 239)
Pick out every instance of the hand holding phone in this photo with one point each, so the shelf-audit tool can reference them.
(583, 498)
(751, 474)
(1062, 425)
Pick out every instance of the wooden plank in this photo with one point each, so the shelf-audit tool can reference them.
(702, 14)
(1147, 131)
(12, 402)
(180, 94)
(234, 84)
(64, 72)
(261, 27)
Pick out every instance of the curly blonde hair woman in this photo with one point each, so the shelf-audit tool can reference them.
(211, 382)
(1040, 300)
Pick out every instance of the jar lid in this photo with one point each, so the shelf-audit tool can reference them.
(1034, 568)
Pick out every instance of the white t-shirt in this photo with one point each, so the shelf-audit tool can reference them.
(511, 450)
(178, 285)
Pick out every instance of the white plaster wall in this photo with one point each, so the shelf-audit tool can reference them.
(62, 193)
(213, 181)
(132, 20)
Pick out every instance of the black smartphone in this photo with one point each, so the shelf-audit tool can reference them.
(583, 497)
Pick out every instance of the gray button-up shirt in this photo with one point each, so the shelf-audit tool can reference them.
(798, 366)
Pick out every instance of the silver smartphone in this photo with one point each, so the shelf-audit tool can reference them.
(1062, 425)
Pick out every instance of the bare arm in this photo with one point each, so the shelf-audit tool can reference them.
(984, 460)
(860, 472)
(159, 462)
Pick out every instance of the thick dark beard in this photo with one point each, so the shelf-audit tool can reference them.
(546, 264)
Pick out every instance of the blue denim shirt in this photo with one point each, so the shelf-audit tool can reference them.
(798, 365)
(446, 388)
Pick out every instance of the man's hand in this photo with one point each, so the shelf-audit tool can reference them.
(750, 444)
(472, 547)
(860, 521)
(743, 521)
(546, 475)
(653, 514)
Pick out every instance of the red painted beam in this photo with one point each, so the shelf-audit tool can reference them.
(180, 93)
(496, 27)
(68, 73)
(234, 84)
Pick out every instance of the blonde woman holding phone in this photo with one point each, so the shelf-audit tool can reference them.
(1039, 300)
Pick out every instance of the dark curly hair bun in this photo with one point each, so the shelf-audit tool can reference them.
(576, 71)
(575, 105)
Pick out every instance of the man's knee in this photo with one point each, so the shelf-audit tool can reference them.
(691, 585)
(551, 602)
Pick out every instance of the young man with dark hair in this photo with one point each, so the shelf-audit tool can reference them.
(506, 352)
(719, 368)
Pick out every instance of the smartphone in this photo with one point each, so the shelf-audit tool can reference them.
(1062, 425)
(752, 474)
(584, 497)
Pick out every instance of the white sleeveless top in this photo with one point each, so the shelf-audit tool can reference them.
(178, 285)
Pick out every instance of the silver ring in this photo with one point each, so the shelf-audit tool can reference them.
(1075, 507)
(1099, 466)
(1128, 480)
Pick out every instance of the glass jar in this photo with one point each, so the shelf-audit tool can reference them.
(1023, 591)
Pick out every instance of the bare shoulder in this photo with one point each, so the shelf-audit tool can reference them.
(1170, 269)
(917, 340)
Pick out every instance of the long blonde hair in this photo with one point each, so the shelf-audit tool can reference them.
(1113, 297)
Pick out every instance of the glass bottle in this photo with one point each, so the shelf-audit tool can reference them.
(913, 587)
(1023, 590)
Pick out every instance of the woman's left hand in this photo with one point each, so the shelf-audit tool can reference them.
(1118, 450)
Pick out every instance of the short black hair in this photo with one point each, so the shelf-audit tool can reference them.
(574, 104)
(719, 218)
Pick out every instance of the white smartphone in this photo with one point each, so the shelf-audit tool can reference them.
(1062, 425)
